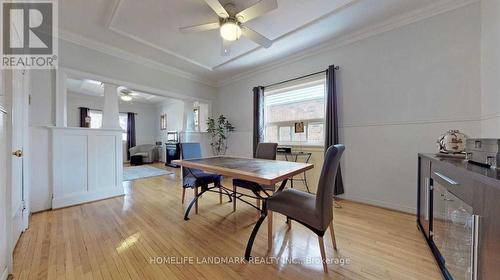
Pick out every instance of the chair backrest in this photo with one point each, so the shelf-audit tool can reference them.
(190, 150)
(324, 195)
(266, 151)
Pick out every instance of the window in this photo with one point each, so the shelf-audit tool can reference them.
(96, 121)
(124, 124)
(297, 103)
(95, 118)
(196, 117)
(163, 122)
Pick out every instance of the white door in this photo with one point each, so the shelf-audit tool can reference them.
(4, 251)
(19, 214)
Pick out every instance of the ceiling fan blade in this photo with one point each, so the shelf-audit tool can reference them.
(200, 27)
(226, 48)
(218, 8)
(256, 37)
(264, 6)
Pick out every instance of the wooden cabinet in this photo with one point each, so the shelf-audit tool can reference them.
(459, 215)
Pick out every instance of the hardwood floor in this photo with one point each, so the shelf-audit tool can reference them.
(122, 238)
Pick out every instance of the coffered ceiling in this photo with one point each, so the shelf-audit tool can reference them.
(150, 29)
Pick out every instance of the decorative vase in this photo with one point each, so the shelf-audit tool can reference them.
(451, 142)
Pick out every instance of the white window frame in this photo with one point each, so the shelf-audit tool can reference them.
(287, 87)
(124, 130)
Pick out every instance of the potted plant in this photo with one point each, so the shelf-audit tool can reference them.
(219, 131)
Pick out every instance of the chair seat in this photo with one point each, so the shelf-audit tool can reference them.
(298, 205)
(200, 178)
(249, 185)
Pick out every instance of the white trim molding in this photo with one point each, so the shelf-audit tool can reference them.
(120, 53)
(429, 11)
(78, 74)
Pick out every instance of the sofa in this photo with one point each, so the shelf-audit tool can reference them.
(149, 152)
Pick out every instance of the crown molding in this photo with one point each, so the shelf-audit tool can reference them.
(120, 53)
(110, 18)
(429, 11)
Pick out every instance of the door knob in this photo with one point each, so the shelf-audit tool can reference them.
(18, 153)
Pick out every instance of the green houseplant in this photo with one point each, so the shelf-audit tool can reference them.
(219, 131)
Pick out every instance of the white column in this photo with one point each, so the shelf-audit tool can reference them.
(61, 99)
(110, 112)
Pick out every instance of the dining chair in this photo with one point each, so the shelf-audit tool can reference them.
(195, 178)
(264, 151)
(313, 211)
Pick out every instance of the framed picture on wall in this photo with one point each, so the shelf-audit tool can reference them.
(299, 127)
(163, 122)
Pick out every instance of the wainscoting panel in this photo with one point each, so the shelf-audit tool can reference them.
(73, 153)
(87, 165)
(105, 169)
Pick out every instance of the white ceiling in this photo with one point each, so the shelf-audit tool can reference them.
(149, 28)
(96, 89)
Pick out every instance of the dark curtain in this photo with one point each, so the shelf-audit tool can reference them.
(84, 113)
(130, 132)
(258, 117)
(332, 123)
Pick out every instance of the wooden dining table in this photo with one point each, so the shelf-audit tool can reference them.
(261, 171)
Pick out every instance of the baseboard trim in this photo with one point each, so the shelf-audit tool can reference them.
(80, 198)
(5, 274)
(381, 204)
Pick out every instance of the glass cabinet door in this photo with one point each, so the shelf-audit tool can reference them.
(452, 226)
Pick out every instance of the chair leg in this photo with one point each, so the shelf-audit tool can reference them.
(323, 254)
(220, 195)
(332, 232)
(269, 229)
(183, 194)
(234, 198)
(196, 203)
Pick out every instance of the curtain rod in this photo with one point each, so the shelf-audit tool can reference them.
(100, 110)
(298, 78)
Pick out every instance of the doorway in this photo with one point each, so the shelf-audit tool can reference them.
(17, 88)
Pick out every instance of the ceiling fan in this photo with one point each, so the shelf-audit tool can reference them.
(127, 94)
(231, 23)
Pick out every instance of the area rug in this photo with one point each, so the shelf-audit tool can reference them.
(143, 171)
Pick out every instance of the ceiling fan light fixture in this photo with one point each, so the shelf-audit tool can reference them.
(126, 97)
(230, 31)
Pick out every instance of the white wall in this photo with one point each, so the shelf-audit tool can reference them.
(42, 114)
(77, 57)
(146, 122)
(398, 91)
(490, 67)
(180, 118)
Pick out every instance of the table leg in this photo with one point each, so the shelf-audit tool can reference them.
(270, 230)
(234, 197)
(305, 181)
